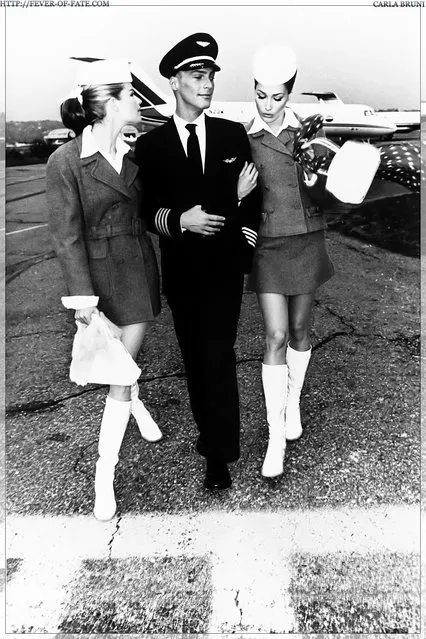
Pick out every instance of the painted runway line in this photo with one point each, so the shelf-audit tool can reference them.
(30, 228)
(253, 594)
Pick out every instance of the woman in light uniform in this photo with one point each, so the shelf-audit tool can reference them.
(291, 259)
(108, 261)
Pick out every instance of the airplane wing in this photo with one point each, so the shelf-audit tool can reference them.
(325, 96)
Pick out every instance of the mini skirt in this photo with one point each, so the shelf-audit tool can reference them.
(127, 280)
(290, 265)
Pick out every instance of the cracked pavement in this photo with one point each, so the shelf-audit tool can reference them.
(359, 451)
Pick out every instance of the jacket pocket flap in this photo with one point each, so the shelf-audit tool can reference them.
(97, 249)
(314, 210)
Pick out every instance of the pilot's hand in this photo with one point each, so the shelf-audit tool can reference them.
(198, 221)
(247, 180)
(84, 315)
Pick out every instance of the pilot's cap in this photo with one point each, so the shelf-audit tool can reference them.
(274, 64)
(197, 51)
(104, 72)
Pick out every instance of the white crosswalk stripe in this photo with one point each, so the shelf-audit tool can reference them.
(250, 555)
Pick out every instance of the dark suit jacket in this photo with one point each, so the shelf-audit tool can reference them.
(190, 260)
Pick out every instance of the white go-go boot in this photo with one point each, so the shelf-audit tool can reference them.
(274, 380)
(113, 426)
(297, 362)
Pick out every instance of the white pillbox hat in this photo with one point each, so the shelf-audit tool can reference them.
(104, 72)
(274, 64)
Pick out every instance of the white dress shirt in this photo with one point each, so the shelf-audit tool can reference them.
(89, 146)
(200, 131)
(288, 120)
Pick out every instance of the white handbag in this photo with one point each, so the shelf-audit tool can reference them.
(351, 170)
(99, 356)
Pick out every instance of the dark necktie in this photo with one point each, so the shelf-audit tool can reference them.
(194, 153)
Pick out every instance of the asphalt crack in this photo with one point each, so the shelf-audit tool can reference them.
(21, 267)
(24, 197)
(411, 343)
(34, 407)
(37, 333)
(332, 337)
(237, 603)
(337, 315)
(111, 541)
(81, 457)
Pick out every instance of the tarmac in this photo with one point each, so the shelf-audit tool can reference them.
(331, 546)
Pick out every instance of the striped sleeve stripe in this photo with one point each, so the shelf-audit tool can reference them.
(248, 231)
(161, 221)
(251, 241)
(250, 235)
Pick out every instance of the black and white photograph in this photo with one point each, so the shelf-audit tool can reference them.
(212, 283)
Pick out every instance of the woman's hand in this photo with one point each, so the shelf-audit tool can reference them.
(84, 314)
(247, 180)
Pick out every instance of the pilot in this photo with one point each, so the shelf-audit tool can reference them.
(291, 259)
(195, 169)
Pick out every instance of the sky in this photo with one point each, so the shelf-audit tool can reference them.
(364, 53)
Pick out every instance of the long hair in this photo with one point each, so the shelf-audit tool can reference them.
(77, 116)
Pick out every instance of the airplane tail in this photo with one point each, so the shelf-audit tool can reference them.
(147, 91)
(324, 96)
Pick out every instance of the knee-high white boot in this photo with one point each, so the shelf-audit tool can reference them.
(274, 380)
(297, 362)
(147, 426)
(113, 426)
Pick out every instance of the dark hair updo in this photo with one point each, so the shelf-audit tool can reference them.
(288, 85)
(76, 116)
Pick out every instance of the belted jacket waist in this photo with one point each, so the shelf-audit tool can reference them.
(136, 226)
(289, 206)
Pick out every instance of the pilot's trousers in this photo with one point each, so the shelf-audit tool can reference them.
(206, 328)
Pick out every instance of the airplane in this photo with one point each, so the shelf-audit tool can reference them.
(341, 120)
(405, 121)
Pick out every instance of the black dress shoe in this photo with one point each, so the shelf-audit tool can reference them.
(217, 475)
